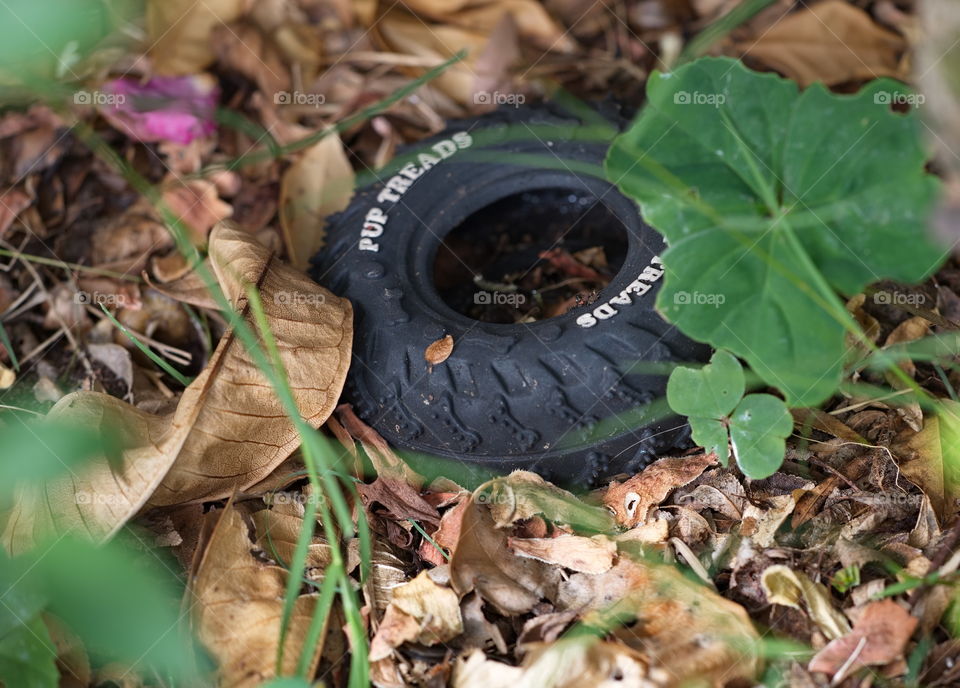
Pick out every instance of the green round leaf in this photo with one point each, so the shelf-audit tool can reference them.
(711, 392)
(711, 435)
(758, 428)
(760, 203)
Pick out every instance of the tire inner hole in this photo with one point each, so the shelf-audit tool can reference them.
(530, 256)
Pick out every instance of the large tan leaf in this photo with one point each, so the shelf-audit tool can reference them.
(317, 185)
(99, 498)
(228, 431)
(237, 603)
(179, 32)
(241, 432)
(832, 42)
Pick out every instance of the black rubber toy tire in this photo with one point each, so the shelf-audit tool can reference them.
(525, 396)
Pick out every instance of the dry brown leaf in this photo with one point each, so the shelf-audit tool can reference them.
(278, 529)
(831, 41)
(931, 459)
(761, 525)
(533, 22)
(879, 637)
(179, 32)
(12, 203)
(237, 607)
(317, 185)
(785, 586)
(439, 351)
(691, 631)
(197, 205)
(482, 561)
(188, 288)
(586, 555)
(208, 447)
(313, 330)
(420, 611)
(101, 497)
(401, 32)
(631, 500)
(385, 461)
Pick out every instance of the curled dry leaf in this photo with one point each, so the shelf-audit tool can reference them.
(785, 586)
(238, 604)
(420, 611)
(631, 500)
(482, 561)
(832, 41)
(439, 351)
(207, 447)
(225, 450)
(317, 185)
(879, 637)
(587, 555)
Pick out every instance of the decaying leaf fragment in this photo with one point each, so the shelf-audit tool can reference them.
(237, 603)
(631, 500)
(879, 637)
(420, 611)
(574, 552)
(785, 586)
(690, 630)
(483, 562)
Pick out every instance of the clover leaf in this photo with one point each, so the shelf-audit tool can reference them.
(712, 399)
(767, 212)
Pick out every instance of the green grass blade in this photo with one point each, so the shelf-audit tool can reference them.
(166, 367)
(5, 340)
